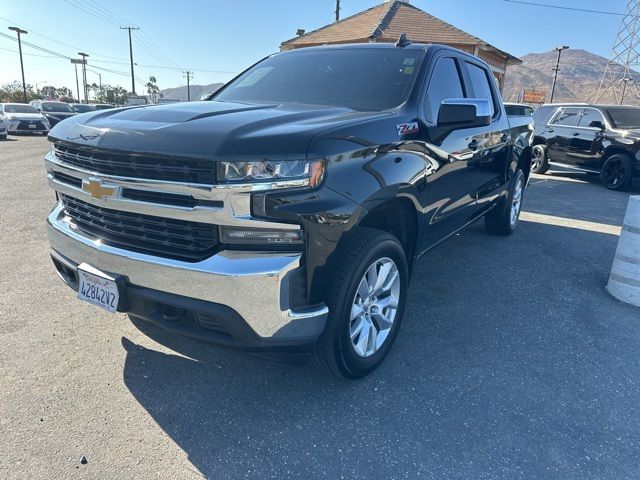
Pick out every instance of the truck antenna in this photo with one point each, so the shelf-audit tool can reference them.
(403, 41)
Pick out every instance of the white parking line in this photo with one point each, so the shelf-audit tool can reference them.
(570, 223)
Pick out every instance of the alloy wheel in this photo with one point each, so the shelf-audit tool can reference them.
(516, 203)
(374, 307)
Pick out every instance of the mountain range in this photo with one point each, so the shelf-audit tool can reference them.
(579, 77)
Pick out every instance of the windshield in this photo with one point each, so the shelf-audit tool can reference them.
(56, 107)
(12, 108)
(360, 79)
(81, 108)
(625, 118)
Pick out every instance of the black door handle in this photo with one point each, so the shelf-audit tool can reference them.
(550, 130)
(575, 134)
(473, 145)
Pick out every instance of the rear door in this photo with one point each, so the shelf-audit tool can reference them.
(585, 146)
(492, 142)
(559, 133)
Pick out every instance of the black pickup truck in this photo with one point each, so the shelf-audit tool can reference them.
(285, 214)
(597, 139)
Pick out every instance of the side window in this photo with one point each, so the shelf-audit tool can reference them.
(480, 83)
(568, 117)
(590, 115)
(445, 83)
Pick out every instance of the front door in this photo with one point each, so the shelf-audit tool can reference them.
(559, 133)
(449, 196)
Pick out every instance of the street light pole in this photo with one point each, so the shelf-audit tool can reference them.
(84, 75)
(24, 85)
(77, 84)
(555, 76)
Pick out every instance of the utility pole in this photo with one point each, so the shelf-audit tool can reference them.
(77, 84)
(133, 80)
(337, 10)
(555, 76)
(84, 75)
(189, 76)
(24, 85)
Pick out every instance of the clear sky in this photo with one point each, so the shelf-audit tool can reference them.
(217, 38)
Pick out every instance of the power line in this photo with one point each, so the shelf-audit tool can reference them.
(31, 31)
(558, 7)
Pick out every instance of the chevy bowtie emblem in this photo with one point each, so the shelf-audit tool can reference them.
(95, 187)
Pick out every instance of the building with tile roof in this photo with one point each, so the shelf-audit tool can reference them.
(387, 21)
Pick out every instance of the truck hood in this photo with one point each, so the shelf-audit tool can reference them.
(210, 129)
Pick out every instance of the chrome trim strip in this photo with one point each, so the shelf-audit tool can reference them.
(254, 284)
(236, 198)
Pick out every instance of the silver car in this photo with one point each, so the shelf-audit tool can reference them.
(22, 118)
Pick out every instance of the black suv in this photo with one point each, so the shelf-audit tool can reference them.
(597, 139)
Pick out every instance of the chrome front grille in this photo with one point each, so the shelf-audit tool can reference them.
(106, 162)
(169, 238)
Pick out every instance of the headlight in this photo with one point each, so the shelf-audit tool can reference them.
(255, 236)
(10, 118)
(271, 171)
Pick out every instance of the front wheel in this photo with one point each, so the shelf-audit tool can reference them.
(503, 218)
(366, 304)
(539, 160)
(617, 172)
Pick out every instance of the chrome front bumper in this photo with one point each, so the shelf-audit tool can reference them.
(255, 284)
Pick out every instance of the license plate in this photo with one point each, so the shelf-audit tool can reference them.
(97, 288)
(32, 125)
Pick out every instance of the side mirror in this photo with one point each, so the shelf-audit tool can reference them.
(597, 124)
(456, 113)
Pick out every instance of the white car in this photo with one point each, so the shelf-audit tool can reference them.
(22, 118)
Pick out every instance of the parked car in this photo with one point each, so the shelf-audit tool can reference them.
(54, 111)
(23, 118)
(82, 107)
(597, 139)
(287, 213)
(518, 110)
(3, 129)
(103, 106)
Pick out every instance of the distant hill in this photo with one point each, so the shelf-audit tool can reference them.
(196, 91)
(578, 79)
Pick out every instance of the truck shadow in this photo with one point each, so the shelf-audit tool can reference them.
(499, 367)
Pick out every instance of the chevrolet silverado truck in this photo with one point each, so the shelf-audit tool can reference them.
(286, 212)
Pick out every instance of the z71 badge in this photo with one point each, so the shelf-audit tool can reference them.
(406, 128)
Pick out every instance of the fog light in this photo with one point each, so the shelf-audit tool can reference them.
(259, 236)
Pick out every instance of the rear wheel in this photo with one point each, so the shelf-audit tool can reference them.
(539, 160)
(366, 305)
(617, 172)
(503, 219)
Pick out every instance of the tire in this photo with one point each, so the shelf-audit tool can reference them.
(539, 159)
(617, 172)
(336, 353)
(503, 218)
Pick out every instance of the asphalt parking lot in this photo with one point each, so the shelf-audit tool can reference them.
(513, 363)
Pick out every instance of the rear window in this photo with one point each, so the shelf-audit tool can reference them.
(518, 110)
(56, 107)
(359, 79)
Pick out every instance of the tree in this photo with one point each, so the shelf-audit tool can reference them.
(152, 89)
(117, 95)
(12, 93)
